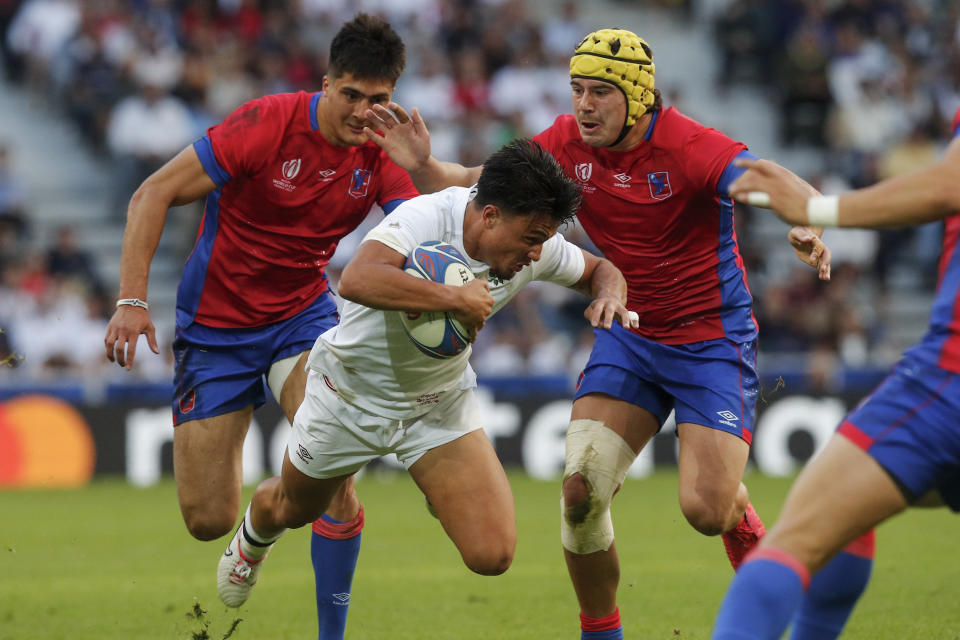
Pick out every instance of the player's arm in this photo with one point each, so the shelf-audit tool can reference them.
(179, 181)
(606, 285)
(374, 277)
(804, 238)
(914, 198)
(405, 139)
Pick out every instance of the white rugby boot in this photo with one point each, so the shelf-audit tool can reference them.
(236, 573)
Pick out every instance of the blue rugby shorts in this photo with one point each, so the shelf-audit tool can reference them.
(218, 371)
(712, 383)
(910, 425)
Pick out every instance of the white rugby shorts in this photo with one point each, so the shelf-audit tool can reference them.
(331, 437)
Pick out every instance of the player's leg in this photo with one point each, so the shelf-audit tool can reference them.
(336, 535)
(329, 441)
(279, 503)
(908, 427)
(840, 495)
(217, 387)
(345, 506)
(617, 431)
(712, 497)
(207, 457)
(617, 410)
(466, 484)
(834, 591)
(715, 386)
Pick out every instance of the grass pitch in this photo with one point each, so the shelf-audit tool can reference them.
(111, 562)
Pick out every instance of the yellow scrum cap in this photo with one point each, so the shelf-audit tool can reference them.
(621, 58)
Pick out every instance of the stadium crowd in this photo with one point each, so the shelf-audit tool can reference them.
(868, 86)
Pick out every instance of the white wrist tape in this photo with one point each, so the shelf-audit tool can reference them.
(758, 198)
(132, 302)
(823, 211)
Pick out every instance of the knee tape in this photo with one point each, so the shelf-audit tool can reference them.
(278, 374)
(602, 458)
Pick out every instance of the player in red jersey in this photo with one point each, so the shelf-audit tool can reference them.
(899, 448)
(655, 201)
(285, 178)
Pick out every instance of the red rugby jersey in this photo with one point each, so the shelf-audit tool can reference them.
(285, 198)
(655, 212)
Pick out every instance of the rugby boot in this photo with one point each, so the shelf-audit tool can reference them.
(236, 573)
(740, 540)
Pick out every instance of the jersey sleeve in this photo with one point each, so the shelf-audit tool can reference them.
(238, 145)
(560, 262)
(413, 222)
(732, 172)
(707, 154)
(397, 187)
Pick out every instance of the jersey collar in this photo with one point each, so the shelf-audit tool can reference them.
(314, 123)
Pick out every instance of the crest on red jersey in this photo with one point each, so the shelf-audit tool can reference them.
(290, 169)
(359, 183)
(659, 183)
(583, 171)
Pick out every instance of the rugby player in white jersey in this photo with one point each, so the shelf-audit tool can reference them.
(371, 392)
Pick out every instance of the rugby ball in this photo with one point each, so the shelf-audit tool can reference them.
(436, 333)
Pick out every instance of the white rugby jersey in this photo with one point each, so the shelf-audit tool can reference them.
(368, 357)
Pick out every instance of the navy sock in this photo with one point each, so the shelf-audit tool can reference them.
(834, 591)
(334, 548)
(762, 598)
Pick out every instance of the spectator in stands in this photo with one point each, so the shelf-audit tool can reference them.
(13, 216)
(146, 130)
(68, 261)
(804, 89)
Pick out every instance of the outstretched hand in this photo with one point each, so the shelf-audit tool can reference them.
(124, 330)
(766, 184)
(403, 137)
(811, 249)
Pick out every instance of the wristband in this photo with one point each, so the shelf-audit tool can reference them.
(823, 211)
(132, 302)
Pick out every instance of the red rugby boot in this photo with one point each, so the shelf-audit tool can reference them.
(740, 540)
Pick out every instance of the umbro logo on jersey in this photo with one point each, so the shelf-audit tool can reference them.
(326, 174)
(622, 180)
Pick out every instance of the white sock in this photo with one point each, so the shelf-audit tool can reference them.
(252, 544)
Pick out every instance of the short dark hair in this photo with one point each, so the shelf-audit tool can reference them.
(368, 48)
(521, 178)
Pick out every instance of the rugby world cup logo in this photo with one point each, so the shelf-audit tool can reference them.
(290, 169)
(583, 171)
